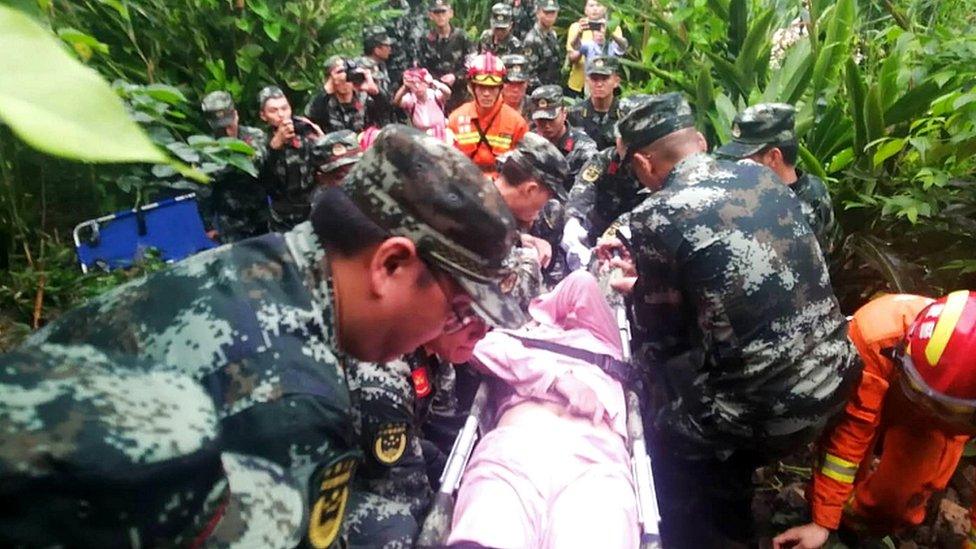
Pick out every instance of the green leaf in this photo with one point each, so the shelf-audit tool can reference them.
(888, 148)
(857, 90)
(198, 140)
(874, 120)
(164, 93)
(756, 40)
(738, 21)
(840, 30)
(811, 163)
(117, 6)
(78, 40)
(260, 8)
(57, 105)
(236, 145)
(915, 102)
(273, 30)
(243, 164)
(799, 65)
(841, 160)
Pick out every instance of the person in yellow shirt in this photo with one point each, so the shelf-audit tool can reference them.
(590, 30)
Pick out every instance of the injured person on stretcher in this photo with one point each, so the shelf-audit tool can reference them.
(555, 470)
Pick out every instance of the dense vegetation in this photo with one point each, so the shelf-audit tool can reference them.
(884, 89)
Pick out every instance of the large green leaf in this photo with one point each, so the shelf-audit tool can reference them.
(915, 102)
(840, 30)
(857, 91)
(756, 40)
(59, 106)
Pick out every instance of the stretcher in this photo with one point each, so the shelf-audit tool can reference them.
(172, 226)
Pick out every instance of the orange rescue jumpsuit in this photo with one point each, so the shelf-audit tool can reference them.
(917, 456)
(503, 128)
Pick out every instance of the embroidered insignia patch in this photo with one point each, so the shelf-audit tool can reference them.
(390, 443)
(330, 507)
(591, 174)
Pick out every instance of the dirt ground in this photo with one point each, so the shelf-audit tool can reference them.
(780, 504)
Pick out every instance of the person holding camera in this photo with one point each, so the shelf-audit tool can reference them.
(287, 174)
(422, 97)
(586, 31)
(349, 100)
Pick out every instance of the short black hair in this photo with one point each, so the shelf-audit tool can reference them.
(514, 172)
(790, 150)
(341, 226)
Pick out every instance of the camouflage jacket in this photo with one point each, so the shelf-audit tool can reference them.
(392, 402)
(240, 203)
(523, 15)
(577, 147)
(253, 323)
(603, 191)
(288, 179)
(734, 310)
(545, 54)
(447, 56)
(819, 212)
(511, 44)
(408, 31)
(596, 124)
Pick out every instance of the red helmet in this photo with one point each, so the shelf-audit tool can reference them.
(486, 69)
(939, 358)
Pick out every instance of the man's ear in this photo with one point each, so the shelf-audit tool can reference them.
(393, 262)
(775, 157)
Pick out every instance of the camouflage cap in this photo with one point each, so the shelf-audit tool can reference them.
(416, 186)
(655, 118)
(112, 452)
(758, 127)
(516, 68)
(268, 92)
(331, 62)
(548, 5)
(602, 64)
(439, 5)
(218, 108)
(541, 158)
(374, 35)
(336, 149)
(501, 16)
(546, 102)
(627, 104)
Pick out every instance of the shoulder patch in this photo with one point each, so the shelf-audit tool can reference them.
(390, 443)
(330, 506)
(591, 174)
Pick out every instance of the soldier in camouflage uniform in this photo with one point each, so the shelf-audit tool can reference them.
(104, 451)
(443, 52)
(392, 491)
(499, 39)
(734, 315)
(766, 134)
(523, 15)
(377, 49)
(543, 49)
(549, 114)
(333, 156)
(239, 202)
(597, 114)
(287, 173)
(515, 84)
(415, 236)
(407, 31)
(604, 190)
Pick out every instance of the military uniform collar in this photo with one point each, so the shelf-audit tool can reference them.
(687, 165)
(313, 264)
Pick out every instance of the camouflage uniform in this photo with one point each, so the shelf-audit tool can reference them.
(753, 356)
(596, 124)
(332, 157)
(392, 490)
(576, 146)
(104, 451)
(501, 18)
(254, 323)
(288, 179)
(442, 56)
(772, 124)
(523, 15)
(240, 205)
(605, 189)
(407, 31)
(545, 52)
(516, 71)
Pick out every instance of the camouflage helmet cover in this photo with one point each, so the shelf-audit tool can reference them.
(543, 160)
(654, 118)
(758, 127)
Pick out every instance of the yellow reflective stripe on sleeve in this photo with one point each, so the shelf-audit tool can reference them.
(467, 138)
(954, 306)
(838, 469)
(497, 141)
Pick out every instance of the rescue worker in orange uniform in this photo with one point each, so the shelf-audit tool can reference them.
(918, 394)
(486, 127)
